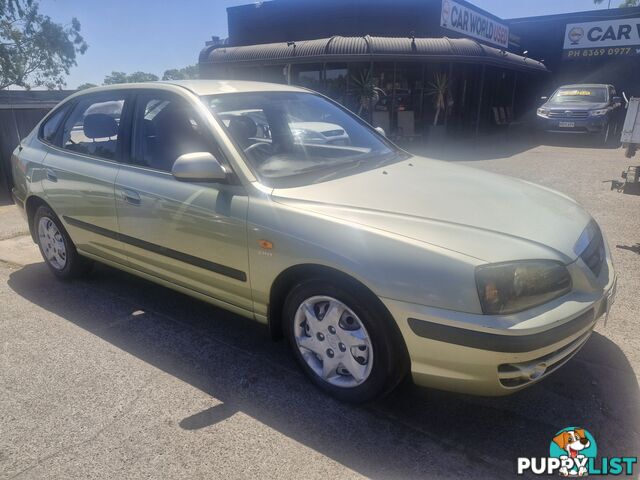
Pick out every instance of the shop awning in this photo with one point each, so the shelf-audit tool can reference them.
(341, 49)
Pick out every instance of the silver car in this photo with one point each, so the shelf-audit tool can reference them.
(372, 263)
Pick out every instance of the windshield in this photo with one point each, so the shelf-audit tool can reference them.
(580, 95)
(295, 138)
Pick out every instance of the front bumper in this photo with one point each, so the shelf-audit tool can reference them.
(587, 125)
(458, 352)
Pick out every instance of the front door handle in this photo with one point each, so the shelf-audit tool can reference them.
(131, 196)
(51, 175)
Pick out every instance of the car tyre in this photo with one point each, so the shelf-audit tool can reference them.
(605, 135)
(334, 304)
(56, 247)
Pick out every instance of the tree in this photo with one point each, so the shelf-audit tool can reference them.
(186, 73)
(34, 50)
(135, 77)
(84, 86)
(625, 3)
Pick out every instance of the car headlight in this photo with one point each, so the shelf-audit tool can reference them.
(599, 113)
(543, 112)
(512, 287)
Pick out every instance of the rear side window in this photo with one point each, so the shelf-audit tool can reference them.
(51, 125)
(93, 126)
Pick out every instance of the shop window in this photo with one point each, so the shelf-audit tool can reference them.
(308, 75)
(336, 79)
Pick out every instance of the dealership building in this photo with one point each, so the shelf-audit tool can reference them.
(416, 67)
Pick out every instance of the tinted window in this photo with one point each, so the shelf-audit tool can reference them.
(50, 127)
(164, 128)
(92, 128)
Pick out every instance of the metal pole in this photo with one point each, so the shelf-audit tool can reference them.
(422, 123)
(393, 100)
(513, 97)
(371, 99)
(446, 100)
(484, 67)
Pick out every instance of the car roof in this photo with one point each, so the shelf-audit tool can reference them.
(206, 87)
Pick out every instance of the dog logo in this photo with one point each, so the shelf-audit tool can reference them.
(573, 453)
(575, 35)
(574, 447)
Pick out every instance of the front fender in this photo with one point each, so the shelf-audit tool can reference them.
(390, 265)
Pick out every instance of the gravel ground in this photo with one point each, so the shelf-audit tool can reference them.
(114, 377)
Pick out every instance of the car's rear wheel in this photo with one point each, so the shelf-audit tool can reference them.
(56, 247)
(343, 340)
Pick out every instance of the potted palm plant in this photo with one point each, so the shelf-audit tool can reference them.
(367, 92)
(438, 89)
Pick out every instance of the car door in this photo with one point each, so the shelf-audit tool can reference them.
(80, 171)
(190, 234)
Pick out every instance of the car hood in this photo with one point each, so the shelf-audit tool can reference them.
(484, 215)
(576, 105)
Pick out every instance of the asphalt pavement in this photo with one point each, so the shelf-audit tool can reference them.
(114, 377)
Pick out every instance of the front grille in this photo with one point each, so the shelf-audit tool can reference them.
(333, 133)
(569, 113)
(593, 255)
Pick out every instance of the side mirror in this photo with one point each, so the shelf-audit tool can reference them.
(617, 100)
(198, 167)
(381, 131)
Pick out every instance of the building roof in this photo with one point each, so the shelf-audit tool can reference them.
(32, 98)
(367, 48)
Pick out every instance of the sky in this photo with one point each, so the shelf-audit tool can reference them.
(156, 35)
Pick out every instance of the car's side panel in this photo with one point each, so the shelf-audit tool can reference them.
(190, 234)
(80, 189)
(27, 170)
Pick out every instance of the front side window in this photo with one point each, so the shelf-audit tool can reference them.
(92, 128)
(164, 128)
(292, 138)
(581, 95)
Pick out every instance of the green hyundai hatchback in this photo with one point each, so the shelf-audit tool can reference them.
(278, 204)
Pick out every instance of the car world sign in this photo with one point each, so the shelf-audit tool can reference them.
(609, 38)
(461, 19)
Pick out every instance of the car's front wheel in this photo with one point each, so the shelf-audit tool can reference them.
(56, 247)
(343, 340)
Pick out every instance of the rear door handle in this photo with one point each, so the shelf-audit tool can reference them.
(51, 175)
(131, 196)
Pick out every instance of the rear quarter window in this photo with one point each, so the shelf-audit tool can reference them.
(51, 126)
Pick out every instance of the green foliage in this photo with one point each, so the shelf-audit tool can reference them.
(34, 50)
(135, 77)
(186, 73)
(438, 89)
(625, 3)
(366, 90)
(84, 86)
